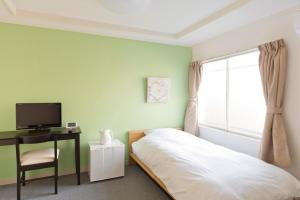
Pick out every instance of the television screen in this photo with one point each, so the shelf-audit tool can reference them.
(38, 115)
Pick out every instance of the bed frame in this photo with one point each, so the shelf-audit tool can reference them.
(133, 159)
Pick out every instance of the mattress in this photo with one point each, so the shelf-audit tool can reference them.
(194, 169)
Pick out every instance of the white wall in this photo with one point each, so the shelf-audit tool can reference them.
(233, 141)
(249, 36)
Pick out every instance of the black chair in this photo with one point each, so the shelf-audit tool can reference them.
(36, 159)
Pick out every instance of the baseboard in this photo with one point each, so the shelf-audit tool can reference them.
(44, 175)
(63, 173)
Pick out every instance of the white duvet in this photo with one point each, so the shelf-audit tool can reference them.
(195, 169)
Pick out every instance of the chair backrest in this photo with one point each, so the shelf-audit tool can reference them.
(33, 138)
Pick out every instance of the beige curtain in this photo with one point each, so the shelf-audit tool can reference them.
(272, 65)
(191, 115)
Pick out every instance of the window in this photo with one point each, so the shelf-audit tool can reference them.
(231, 96)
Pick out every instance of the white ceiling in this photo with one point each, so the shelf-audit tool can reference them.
(181, 22)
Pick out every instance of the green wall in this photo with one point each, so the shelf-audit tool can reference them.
(100, 81)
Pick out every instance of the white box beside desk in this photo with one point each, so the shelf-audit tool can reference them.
(106, 161)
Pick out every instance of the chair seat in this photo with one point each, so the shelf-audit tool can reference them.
(38, 156)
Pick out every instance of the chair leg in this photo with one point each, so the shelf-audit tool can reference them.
(23, 178)
(55, 178)
(18, 185)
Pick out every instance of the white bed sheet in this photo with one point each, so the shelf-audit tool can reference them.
(195, 169)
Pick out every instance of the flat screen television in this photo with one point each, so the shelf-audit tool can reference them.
(38, 115)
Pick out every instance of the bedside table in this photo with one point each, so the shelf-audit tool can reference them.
(106, 161)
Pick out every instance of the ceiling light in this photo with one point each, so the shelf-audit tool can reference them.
(125, 6)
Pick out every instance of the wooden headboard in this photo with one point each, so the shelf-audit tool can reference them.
(132, 137)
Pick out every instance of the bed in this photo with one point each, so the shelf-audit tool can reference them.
(190, 168)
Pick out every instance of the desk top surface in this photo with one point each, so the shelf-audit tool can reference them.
(4, 135)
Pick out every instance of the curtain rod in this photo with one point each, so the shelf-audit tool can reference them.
(236, 53)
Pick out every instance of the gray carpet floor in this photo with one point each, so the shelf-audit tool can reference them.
(136, 185)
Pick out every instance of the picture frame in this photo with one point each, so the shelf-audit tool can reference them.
(158, 90)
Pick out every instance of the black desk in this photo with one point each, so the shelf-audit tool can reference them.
(9, 138)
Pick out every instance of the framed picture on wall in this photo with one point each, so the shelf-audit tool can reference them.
(158, 90)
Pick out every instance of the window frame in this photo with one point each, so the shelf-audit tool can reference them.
(253, 135)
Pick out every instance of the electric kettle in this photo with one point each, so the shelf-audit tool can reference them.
(105, 136)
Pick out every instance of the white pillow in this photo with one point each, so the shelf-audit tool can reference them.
(159, 130)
